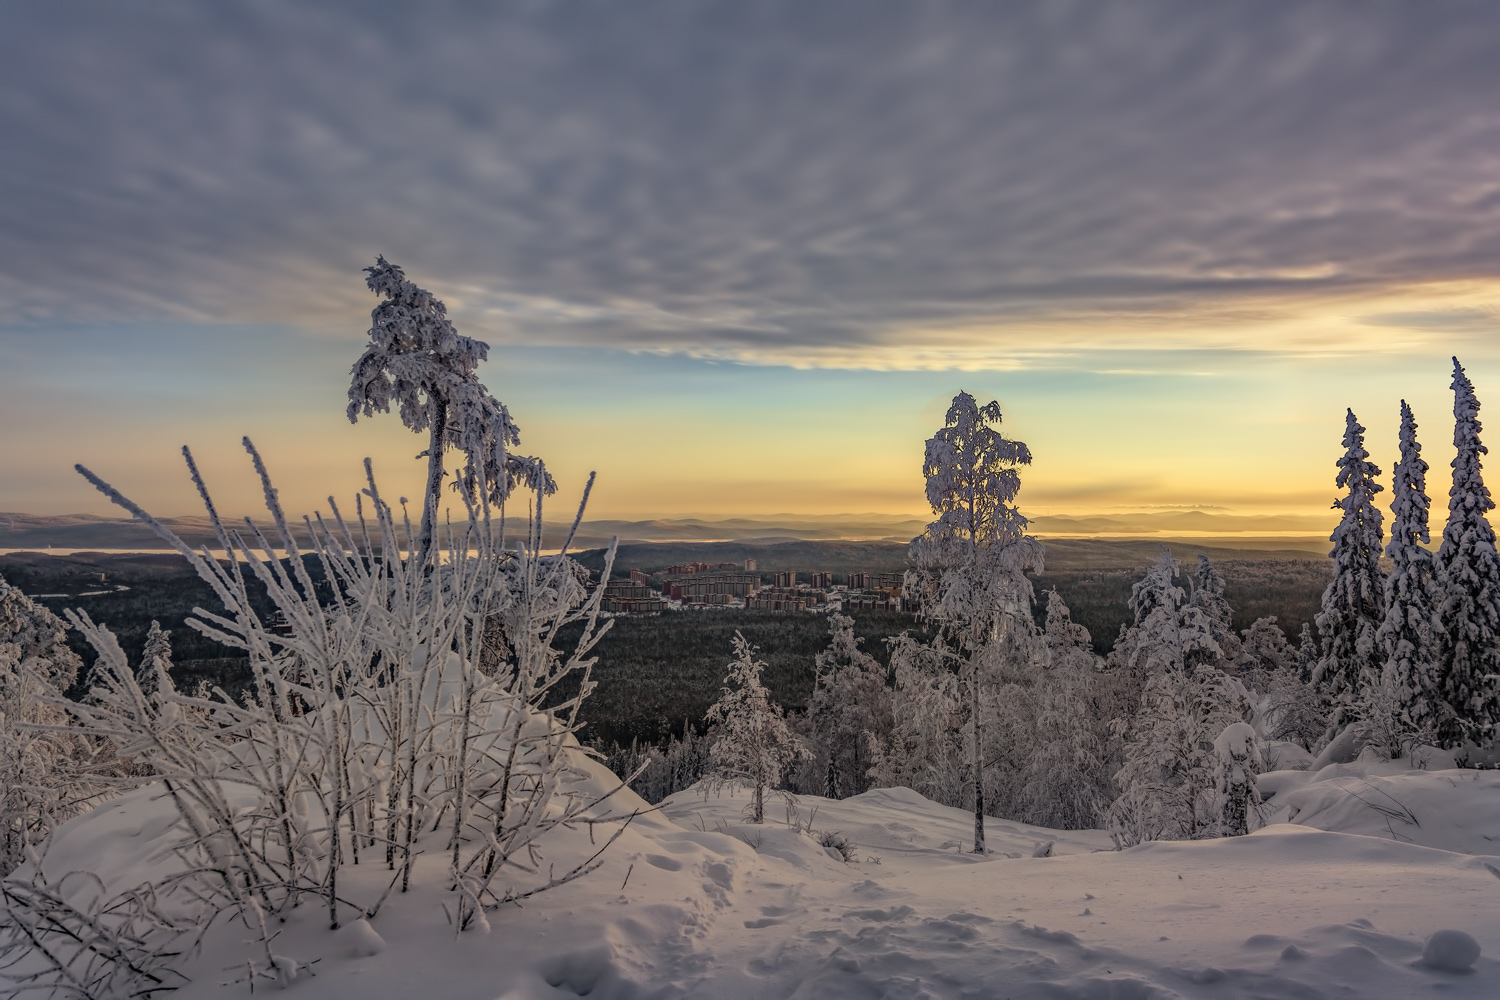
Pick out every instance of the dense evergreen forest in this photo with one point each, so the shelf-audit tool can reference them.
(656, 671)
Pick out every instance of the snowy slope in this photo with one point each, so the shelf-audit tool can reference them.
(691, 902)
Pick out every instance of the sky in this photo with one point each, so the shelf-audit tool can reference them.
(738, 257)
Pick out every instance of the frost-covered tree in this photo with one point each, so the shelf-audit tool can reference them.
(45, 776)
(1264, 651)
(1468, 575)
(925, 749)
(752, 742)
(1170, 767)
(1069, 645)
(968, 568)
(1218, 616)
(1153, 642)
(156, 658)
(1354, 602)
(1309, 651)
(1409, 634)
(39, 638)
(849, 699)
(1238, 762)
(417, 360)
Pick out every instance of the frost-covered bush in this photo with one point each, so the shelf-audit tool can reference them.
(371, 733)
(48, 771)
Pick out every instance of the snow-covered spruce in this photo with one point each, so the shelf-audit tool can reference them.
(1353, 605)
(1405, 705)
(752, 743)
(1468, 576)
(1239, 761)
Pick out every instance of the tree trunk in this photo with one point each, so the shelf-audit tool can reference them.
(434, 475)
(977, 759)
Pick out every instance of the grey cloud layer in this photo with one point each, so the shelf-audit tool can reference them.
(736, 178)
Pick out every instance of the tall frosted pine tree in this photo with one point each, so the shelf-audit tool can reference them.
(1468, 574)
(1354, 602)
(1408, 636)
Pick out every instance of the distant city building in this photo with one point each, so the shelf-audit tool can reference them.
(634, 605)
(784, 599)
(784, 580)
(749, 565)
(636, 576)
(858, 581)
(700, 586)
(821, 581)
(630, 597)
(688, 569)
(871, 602)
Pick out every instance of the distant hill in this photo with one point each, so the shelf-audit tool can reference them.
(1306, 535)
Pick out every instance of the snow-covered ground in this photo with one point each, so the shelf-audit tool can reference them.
(692, 902)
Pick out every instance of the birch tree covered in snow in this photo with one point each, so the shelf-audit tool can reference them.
(1468, 575)
(752, 743)
(417, 360)
(968, 568)
(1354, 602)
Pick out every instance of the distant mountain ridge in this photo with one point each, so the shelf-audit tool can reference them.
(93, 531)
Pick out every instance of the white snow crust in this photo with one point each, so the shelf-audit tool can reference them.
(692, 902)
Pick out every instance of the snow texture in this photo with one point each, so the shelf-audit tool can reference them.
(694, 903)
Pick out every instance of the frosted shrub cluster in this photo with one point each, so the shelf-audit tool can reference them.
(379, 729)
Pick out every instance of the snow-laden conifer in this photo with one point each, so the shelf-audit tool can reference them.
(1309, 651)
(849, 700)
(1208, 596)
(1265, 652)
(1409, 634)
(752, 742)
(1069, 645)
(1239, 761)
(156, 658)
(1152, 643)
(417, 360)
(1468, 575)
(968, 567)
(1354, 602)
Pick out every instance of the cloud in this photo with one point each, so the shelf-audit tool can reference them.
(936, 186)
